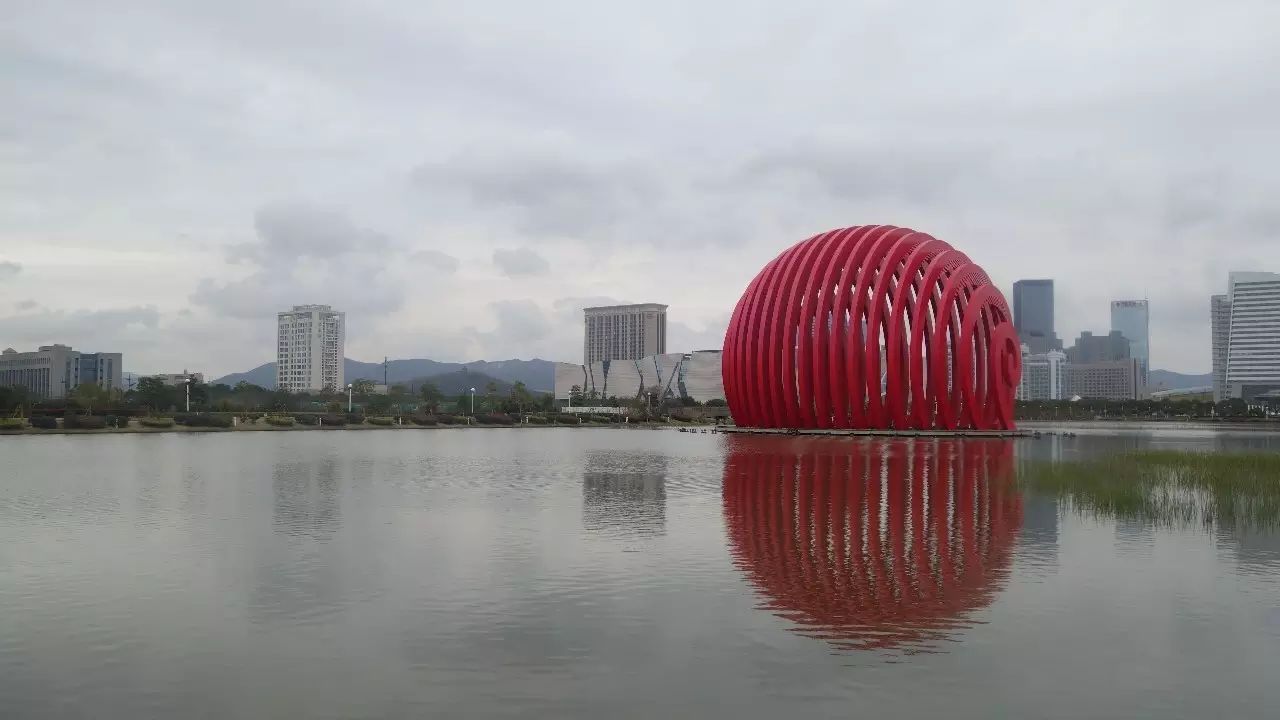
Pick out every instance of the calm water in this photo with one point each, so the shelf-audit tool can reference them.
(609, 573)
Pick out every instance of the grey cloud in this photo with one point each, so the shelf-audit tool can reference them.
(9, 269)
(26, 304)
(918, 173)
(570, 308)
(106, 330)
(437, 260)
(287, 232)
(346, 268)
(545, 194)
(682, 337)
(520, 262)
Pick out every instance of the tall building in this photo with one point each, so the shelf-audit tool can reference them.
(310, 349)
(1132, 318)
(1043, 375)
(1090, 348)
(1253, 344)
(624, 332)
(55, 371)
(1220, 322)
(1033, 315)
(1107, 380)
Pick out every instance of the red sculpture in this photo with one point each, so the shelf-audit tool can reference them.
(872, 326)
(889, 545)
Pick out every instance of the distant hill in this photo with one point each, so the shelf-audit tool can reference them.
(1169, 380)
(455, 383)
(537, 375)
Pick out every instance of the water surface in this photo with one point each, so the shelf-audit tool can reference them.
(619, 573)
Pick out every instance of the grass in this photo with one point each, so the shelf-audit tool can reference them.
(1170, 488)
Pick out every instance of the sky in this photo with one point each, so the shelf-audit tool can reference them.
(463, 178)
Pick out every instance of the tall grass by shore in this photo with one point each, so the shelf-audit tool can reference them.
(1170, 488)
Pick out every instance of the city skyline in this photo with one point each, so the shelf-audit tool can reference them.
(462, 189)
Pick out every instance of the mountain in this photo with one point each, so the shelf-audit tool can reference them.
(537, 375)
(1169, 380)
(455, 383)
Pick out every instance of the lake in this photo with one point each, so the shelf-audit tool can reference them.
(612, 573)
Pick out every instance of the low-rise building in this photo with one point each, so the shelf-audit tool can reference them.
(1043, 375)
(180, 378)
(55, 371)
(1110, 380)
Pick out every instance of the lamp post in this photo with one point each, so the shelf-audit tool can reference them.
(473, 401)
(187, 384)
(349, 397)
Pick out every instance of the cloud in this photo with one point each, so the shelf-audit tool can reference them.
(26, 304)
(662, 157)
(110, 330)
(437, 260)
(546, 194)
(9, 269)
(520, 262)
(304, 255)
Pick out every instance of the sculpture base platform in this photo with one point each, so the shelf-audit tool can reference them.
(863, 432)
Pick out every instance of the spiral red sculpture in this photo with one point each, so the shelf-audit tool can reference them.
(872, 326)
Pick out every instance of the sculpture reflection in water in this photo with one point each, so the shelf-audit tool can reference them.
(876, 544)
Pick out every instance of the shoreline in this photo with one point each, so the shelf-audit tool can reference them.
(138, 430)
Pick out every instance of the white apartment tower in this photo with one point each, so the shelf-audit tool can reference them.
(311, 348)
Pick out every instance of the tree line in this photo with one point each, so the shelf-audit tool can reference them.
(152, 396)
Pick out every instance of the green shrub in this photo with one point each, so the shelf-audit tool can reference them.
(156, 422)
(306, 419)
(537, 420)
(600, 419)
(120, 421)
(425, 420)
(12, 423)
(355, 419)
(382, 421)
(44, 422)
(448, 419)
(568, 420)
(84, 422)
(279, 420)
(334, 419)
(495, 419)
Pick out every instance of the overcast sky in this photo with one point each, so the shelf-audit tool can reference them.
(462, 178)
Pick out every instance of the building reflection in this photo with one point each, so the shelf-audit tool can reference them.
(625, 493)
(872, 545)
(306, 498)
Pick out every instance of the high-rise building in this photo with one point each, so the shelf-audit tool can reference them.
(1107, 380)
(1253, 344)
(1090, 348)
(624, 332)
(1043, 375)
(55, 371)
(310, 349)
(1220, 323)
(1132, 318)
(1033, 315)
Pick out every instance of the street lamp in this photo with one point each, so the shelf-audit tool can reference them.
(473, 401)
(349, 397)
(187, 384)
